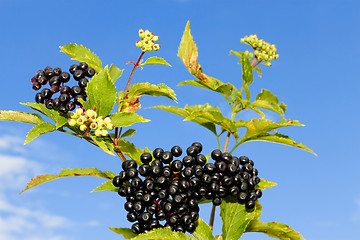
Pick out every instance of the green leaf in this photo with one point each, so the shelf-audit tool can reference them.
(203, 231)
(282, 139)
(256, 127)
(269, 101)
(156, 60)
(103, 144)
(140, 89)
(39, 130)
(126, 119)
(101, 92)
(51, 113)
(20, 117)
(265, 184)
(247, 71)
(187, 51)
(163, 234)
(235, 218)
(115, 72)
(275, 230)
(213, 115)
(82, 54)
(69, 173)
(187, 110)
(106, 186)
(130, 150)
(126, 232)
(129, 133)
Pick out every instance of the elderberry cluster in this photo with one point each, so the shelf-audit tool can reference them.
(147, 42)
(56, 78)
(165, 192)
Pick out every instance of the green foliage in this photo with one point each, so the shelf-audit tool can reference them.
(69, 173)
(155, 60)
(106, 186)
(162, 234)
(128, 133)
(140, 89)
(82, 54)
(125, 232)
(126, 119)
(235, 218)
(265, 184)
(51, 113)
(104, 144)
(275, 230)
(130, 150)
(115, 72)
(101, 92)
(38, 130)
(203, 231)
(20, 117)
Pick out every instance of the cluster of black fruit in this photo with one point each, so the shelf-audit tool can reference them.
(163, 192)
(57, 79)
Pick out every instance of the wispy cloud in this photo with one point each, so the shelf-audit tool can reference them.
(23, 222)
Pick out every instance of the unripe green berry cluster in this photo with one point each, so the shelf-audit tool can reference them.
(147, 42)
(263, 51)
(88, 121)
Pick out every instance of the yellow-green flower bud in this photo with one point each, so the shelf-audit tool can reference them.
(141, 33)
(155, 38)
(79, 111)
(83, 127)
(104, 133)
(139, 44)
(98, 133)
(93, 125)
(81, 120)
(72, 122)
(110, 126)
(107, 120)
(90, 113)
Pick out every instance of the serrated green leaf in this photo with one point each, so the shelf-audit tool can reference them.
(214, 116)
(69, 173)
(156, 60)
(39, 130)
(115, 72)
(186, 111)
(125, 232)
(203, 231)
(128, 133)
(140, 89)
(247, 71)
(20, 117)
(126, 119)
(51, 113)
(106, 186)
(187, 51)
(269, 101)
(275, 230)
(235, 218)
(265, 184)
(282, 139)
(102, 142)
(130, 150)
(82, 54)
(163, 234)
(101, 93)
(85, 104)
(256, 127)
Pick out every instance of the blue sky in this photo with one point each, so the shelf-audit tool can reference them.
(316, 76)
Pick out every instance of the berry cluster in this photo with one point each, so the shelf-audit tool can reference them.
(164, 192)
(57, 79)
(88, 120)
(262, 50)
(147, 42)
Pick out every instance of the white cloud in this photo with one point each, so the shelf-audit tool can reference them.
(24, 222)
(12, 143)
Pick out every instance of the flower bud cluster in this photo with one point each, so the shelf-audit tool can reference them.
(147, 42)
(263, 51)
(88, 121)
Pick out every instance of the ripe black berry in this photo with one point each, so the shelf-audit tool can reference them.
(62, 110)
(57, 71)
(176, 165)
(49, 104)
(146, 157)
(90, 72)
(83, 82)
(200, 160)
(73, 68)
(131, 216)
(176, 151)
(64, 77)
(166, 157)
(64, 98)
(216, 155)
(70, 106)
(216, 201)
(78, 74)
(42, 80)
(46, 93)
(198, 146)
(75, 90)
(39, 98)
(192, 151)
(36, 86)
